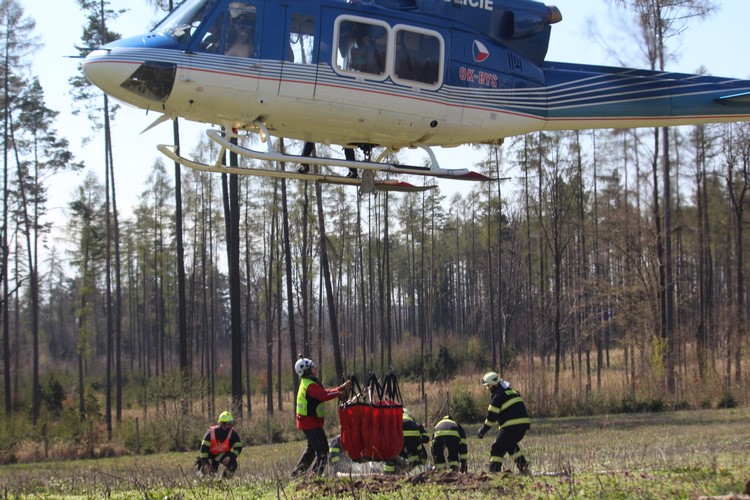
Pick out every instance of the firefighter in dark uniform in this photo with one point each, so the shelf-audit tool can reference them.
(414, 452)
(508, 412)
(337, 458)
(415, 439)
(220, 445)
(450, 436)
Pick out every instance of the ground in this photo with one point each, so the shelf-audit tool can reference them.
(384, 484)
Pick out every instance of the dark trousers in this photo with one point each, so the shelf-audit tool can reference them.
(317, 450)
(214, 461)
(507, 443)
(452, 445)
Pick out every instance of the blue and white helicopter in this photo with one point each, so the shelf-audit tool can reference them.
(382, 75)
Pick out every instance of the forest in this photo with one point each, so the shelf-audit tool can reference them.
(603, 269)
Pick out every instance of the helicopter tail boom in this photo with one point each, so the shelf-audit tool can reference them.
(585, 96)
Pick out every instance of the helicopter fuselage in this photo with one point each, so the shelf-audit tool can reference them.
(393, 73)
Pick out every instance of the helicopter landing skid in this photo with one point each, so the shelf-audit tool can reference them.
(368, 183)
(222, 139)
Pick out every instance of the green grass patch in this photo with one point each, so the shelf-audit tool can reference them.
(682, 454)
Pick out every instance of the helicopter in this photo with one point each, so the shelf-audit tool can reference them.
(383, 75)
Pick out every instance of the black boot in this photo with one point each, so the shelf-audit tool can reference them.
(350, 156)
(523, 465)
(307, 150)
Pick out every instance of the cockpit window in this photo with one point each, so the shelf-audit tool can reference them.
(184, 20)
(231, 32)
(240, 36)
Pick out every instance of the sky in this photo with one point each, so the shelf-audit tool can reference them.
(591, 32)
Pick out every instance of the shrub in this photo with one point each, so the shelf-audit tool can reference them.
(629, 405)
(655, 406)
(681, 405)
(465, 409)
(476, 353)
(726, 401)
(53, 396)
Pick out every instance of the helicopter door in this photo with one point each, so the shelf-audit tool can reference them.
(227, 51)
(299, 64)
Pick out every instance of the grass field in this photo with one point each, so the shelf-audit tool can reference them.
(662, 455)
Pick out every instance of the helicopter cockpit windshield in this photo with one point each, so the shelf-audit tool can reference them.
(185, 20)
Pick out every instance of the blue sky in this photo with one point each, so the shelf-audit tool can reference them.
(592, 32)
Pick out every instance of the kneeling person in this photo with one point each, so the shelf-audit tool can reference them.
(221, 445)
(415, 439)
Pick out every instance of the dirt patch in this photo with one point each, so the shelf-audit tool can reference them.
(377, 484)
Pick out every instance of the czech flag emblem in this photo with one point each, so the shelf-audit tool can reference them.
(479, 51)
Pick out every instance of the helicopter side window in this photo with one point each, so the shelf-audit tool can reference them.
(240, 32)
(301, 39)
(362, 47)
(418, 56)
(211, 40)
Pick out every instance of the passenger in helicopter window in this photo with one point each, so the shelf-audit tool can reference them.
(241, 31)
(406, 49)
(417, 57)
(362, 47)
(212, 40)
(429, 48)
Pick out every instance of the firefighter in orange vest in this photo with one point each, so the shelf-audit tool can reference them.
(221, 445)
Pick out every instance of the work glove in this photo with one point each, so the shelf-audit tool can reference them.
(481, 432)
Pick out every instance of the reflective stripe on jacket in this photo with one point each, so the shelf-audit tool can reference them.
(506, 408)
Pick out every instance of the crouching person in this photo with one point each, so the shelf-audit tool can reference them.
(221, 445)
(337, 458)
(449, 436)
(415, 439)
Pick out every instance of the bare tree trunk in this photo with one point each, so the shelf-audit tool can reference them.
(738, 184)
(232, 217)
(108, 271)
(325, 269)
(361, 288)
(269, 304)
(288, 269)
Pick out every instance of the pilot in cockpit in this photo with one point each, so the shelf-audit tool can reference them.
(211, 42)
(241, 30)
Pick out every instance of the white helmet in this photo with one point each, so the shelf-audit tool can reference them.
(302, 365)
(490, 379)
